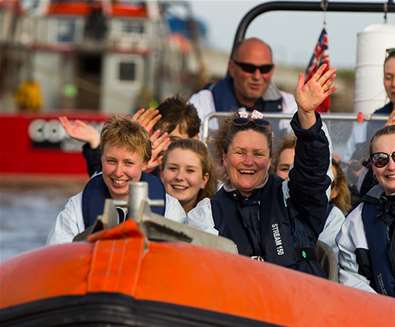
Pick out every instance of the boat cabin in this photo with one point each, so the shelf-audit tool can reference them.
(107, 56)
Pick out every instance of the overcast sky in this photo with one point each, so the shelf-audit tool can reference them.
(292, 35)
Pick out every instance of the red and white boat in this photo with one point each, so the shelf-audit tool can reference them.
(85, 60)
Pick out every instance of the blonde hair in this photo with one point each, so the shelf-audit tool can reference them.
(121, 131)
(343, 198)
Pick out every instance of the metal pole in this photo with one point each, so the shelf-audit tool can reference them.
(368, 7)
(138, 194)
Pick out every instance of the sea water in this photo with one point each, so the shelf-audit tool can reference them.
(27, 213)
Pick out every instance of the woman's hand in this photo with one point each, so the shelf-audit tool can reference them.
(311, 94)
(147, 118)
(159, 143)
(81, 131)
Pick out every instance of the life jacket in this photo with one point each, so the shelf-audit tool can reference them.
(374, 125)
(225, 100)
(96, 191)
(380, 273)
(277, 235)
(385, 110)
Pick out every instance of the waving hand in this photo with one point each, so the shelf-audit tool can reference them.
(310, 95)
(81, 131)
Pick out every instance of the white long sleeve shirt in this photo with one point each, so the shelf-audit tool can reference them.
(70, 221)
(351, 237)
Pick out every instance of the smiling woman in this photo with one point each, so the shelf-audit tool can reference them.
(126, 149)
(268, 218)
(188, 175)
(247, 159)
(367, 239)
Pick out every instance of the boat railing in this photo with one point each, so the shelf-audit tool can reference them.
(155, 227)
(328, 117)
(305, 6)
(350, 134)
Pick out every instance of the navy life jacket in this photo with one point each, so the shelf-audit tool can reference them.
(380, 273)
(385, 110)
(225, 100)
(96, 191)
(276, 233)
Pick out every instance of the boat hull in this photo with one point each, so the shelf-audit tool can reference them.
(37, 145)
(121, 262)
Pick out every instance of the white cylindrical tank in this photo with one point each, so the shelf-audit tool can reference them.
(372, 42)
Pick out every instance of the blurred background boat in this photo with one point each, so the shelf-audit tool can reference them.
(105, 56)
(87, 60)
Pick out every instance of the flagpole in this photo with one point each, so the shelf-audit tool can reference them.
(324, 6)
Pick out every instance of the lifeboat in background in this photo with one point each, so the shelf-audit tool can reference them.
(107, 56)
(36, 147)
(86, 60)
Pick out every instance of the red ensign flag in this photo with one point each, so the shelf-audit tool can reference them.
(319, 57)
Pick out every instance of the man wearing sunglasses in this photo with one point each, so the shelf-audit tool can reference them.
(367, 239)
(248, 84)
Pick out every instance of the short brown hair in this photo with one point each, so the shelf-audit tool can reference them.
(121, 131)
(288, 142)
(225, 135)
(228, 130)
(176, 111)
(205, 161)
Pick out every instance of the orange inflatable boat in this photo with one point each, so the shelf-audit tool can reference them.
(119, 278)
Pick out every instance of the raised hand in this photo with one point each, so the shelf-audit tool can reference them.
(159, 142)
(147, 118)
(81, 131)
(310, 95)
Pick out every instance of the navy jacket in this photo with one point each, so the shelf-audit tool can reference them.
(386, 110)
(225, 99)
(96, 191)
(377, 263)
(282, 230)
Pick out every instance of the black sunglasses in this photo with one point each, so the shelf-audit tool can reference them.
(381, 159)
(243, 118)
(251, 68)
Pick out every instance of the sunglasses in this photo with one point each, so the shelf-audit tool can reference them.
(251, 68)
(243, 118)
(381, 159)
